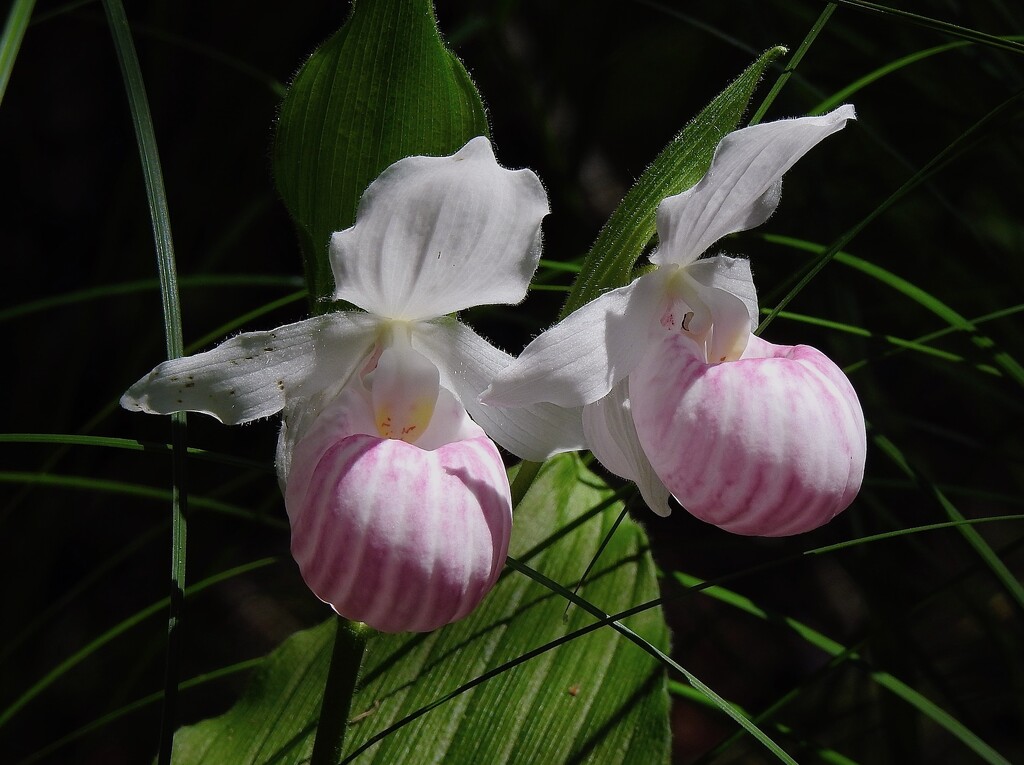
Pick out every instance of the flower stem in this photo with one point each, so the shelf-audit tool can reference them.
(524, 479)
(346, 660)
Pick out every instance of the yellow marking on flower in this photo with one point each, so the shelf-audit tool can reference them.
(403, 386)
(409, 422)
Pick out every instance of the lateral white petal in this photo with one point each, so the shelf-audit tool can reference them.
(611, 436)
(467, 363)
(578, 360)
(730, 325)
(731, 275)
(434, 235)
(251, 375)
(742, 187)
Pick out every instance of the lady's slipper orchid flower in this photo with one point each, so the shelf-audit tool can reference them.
(398, 501)
(678, 395)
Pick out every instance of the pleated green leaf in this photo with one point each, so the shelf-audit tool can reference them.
(383, 87)
(682, 163)
(595, 698)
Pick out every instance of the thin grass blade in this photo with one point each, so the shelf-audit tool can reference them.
(10, 40)
(831, 647)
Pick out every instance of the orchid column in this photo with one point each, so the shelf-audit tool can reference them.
(398, 499)
(678, 395)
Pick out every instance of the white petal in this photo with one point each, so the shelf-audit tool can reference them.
(742, 187)
(251, 375)
(731, 275)
(611, 436)
(578, 360)
(449, 424)
(730, 326)
(434, 235)
(404, 388)
(467, 364)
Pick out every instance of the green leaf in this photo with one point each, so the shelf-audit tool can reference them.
(682, 163)
(446, 696)
(382, 88)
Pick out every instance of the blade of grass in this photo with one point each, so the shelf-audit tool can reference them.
(143, 285)
(145, 701)
(66, 439)
(925, 299)
(964, 141)
(505, 667)
(85, 483)
(633, 224)
(60, 10)
(119, 629)
(10, 41)
(833, 648)
(700, 24)
(640, 608)
(794, 62)
(938, 25)
(597, 554)
(609, 620)
(81, 585)
(159, 215)
(893, 66)
(909, 345)
(1002, 313)
(995, 564)
(149, 156)
(951, 489)
(657, 653)
(275, 86)
(240, 321)
(844, 94)
(683, 691)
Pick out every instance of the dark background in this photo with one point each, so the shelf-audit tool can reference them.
(586, 94)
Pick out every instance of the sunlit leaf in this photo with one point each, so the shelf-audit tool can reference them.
(599, 698)
(382, 88)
